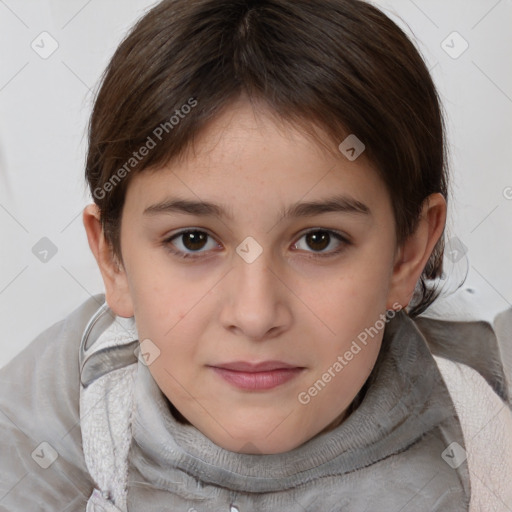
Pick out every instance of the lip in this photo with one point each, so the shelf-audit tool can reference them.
(257, 376)
(246, 366)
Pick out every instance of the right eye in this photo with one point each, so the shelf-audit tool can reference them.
(190, 242)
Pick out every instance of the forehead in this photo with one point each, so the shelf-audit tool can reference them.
(248, 155)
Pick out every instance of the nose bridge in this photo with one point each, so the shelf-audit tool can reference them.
(255, 278)
(256, 302)
(252, 262)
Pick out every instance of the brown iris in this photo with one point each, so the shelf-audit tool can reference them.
(194, 240)
(318, 240)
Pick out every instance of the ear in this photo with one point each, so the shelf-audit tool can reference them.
(414, 253)
(117, 292)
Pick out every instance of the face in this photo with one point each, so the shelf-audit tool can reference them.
(252, 266)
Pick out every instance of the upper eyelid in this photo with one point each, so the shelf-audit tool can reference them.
(168, 238)
(327, 230)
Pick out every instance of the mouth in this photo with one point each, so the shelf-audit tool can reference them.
(257, 376)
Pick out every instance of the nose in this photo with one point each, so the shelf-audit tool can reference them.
(255, 302)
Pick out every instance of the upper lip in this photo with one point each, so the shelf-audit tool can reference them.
(265, 366)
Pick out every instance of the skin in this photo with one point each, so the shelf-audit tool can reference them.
(298, 302)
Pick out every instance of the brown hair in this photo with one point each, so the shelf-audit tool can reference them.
(340, 65)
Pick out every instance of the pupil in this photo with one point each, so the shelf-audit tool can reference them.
(318, 240)
(194, 240)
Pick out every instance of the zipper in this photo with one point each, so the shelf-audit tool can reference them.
(232, 506)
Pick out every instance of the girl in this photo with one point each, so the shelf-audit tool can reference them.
(270, 195)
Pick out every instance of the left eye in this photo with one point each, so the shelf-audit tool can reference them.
(192, 241)
(320, 240)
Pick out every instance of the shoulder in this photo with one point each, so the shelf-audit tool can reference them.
(486, 422)
(42, 463)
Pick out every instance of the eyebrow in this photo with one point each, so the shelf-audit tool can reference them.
(338, 204)
(199, 208)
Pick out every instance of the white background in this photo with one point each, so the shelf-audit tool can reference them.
(45, 104)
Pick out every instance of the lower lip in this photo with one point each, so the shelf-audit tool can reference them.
(256, 381)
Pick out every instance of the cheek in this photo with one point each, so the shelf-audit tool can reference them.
(163, 294)
(342, 303)
(170, 311)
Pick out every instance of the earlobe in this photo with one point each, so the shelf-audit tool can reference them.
(117, 292)
(414, 253)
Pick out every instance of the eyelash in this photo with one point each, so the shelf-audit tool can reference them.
(345, 242)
